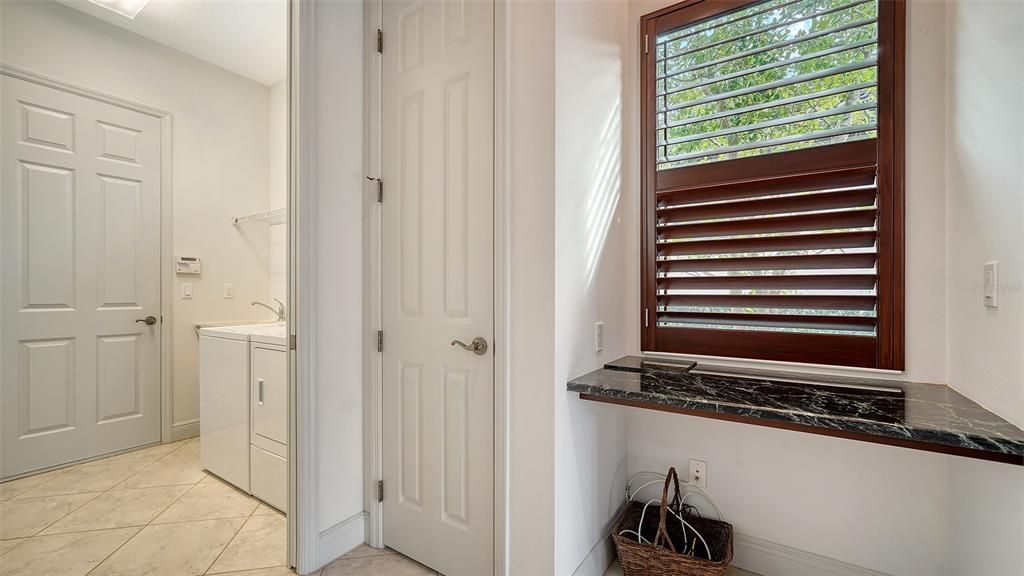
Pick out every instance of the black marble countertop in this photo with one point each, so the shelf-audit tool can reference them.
(920, 416)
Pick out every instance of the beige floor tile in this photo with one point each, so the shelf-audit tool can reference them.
(261, 543)
(92, 477)
(12, 488)
(64, 554)
(8, 545)
(266, 509)
(211, 478)
(206, 501)
(390, 564)
(364, 550)
(119, 509)
(22, 518)
(276, 571)
(182, 549)
(178, 468)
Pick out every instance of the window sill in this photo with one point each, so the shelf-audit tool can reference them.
(926, 417)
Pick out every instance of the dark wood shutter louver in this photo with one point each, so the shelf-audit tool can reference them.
(769, 199)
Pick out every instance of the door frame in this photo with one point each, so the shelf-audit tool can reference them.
(373, 423)
(166, 215)
(303, 529)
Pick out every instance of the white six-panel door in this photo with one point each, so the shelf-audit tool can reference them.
(437, 280)
(81, 256)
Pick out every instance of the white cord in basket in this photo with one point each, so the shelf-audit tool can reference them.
(644, 513)
(702, 541)
(684, 523)
(652, 482)
(704, 493)
(639, 538)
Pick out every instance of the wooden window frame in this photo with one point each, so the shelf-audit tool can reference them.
(887, 349)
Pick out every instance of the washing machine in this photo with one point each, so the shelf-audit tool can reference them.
(224, 403)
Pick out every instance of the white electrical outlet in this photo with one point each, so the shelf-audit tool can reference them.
(229, 291)
(990, 285)
(599, 337)
(186, 291)
(698, 473)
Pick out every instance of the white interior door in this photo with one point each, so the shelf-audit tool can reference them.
(81, 263)
(437, 280)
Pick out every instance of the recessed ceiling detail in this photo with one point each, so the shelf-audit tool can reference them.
(247, 38)
(127, 8)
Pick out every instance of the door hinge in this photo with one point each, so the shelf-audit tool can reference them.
(380, 40)
(380, 490)
(291, 341)
(380, 188)
(647, 320)
(647, 43)
(380, 340)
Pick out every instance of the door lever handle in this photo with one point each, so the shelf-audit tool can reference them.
(478, 346)
(148, 320)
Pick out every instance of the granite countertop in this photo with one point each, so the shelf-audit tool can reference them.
(912, 415)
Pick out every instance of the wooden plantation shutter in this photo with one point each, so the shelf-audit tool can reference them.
(772, 153)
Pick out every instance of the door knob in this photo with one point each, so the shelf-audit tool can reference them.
(148, 320)
(478, 346)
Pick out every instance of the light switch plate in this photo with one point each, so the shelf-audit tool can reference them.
(229, 291)
(599, 337)
(990, 285)
(186, 291)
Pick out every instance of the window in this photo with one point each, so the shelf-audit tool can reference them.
(772, 155)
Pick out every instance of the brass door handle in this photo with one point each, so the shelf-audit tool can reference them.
(478, 346)
(148, 320)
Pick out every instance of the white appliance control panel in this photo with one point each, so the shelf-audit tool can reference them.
(188, 265)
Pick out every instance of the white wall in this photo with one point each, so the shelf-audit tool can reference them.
(873, 506)
(592, 242)
(277, 135)
(338, 377)
(526, 172)
(220, 152)
(985, 218)
(985, 202)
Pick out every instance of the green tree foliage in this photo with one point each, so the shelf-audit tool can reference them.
(750, 77)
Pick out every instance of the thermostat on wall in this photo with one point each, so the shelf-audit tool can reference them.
(188, 265)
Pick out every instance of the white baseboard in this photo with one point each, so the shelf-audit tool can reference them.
(598, 559)
(601, 555)
(342, 537)
(772, 559)
(186, 429)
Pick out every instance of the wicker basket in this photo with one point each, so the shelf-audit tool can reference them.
(661, 558)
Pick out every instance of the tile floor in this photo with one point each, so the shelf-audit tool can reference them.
(366, 561)
(152, 511)
(155, 511)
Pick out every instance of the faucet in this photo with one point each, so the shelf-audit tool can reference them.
(279, 311)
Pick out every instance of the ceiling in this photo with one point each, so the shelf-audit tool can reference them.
(247, 37)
